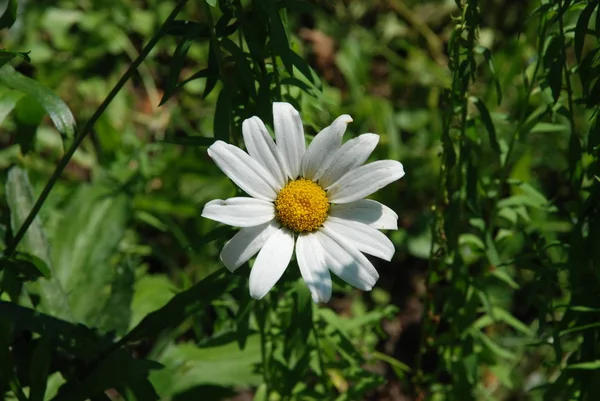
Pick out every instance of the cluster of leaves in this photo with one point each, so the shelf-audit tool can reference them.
(115, 290)
(514, 272)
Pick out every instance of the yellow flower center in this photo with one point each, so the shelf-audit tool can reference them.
(302, 205)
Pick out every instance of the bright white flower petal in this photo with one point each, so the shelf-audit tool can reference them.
(364, 238)
(320, 152)
(246, 243)
(364, 180)
(239, 212)
(347, 262)
(352, 154)
(271, 262)
(289, 135)
(244, 171)
(367, 211)
(311, 261)
(262, 148)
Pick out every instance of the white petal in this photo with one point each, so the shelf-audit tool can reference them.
(352, 154)
(364, 180)
(289, 135)
(311, 260)
(262, 148)
(271, 262)
(320, 152)
(347, 262)
(239, 212)
(364, 238)
(239, 249)
(244, 171)
(367, 211)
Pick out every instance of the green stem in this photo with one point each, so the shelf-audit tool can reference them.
(315, 328)
(82, 134)
(262, 323)
(566, 71)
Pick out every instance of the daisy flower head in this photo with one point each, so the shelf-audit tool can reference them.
(307, 199)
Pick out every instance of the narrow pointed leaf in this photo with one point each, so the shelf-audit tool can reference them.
(57, 109)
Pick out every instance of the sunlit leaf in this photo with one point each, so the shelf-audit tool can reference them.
(59, 112)
(189, 365)
(19, 196)
(94, 219)
(592, 365)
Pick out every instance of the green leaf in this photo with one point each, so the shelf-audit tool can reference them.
(30, 262)
(175, 67)
(204, 73)
(151, 292)
(486, 119)
(223, 28)
(9, 15)
(19, 196)
(188, 366)
(8, 377)
(59, 112)
(576, 329)
(212, 75)
(223, 116)
(581, 28)
(181, 306)
(533, 119)
(101, 365)
(490, 250)
(305, 69)
(299, 84)
(95, 220)
(6, 56)
(39, 370)
(554, 61)
(400, 369)
(491, 345)
(76, 339)
(212, 3)
(116, 369)
(593, 365)
(244, 71)
(503, 276)
(29, 115)
(8, 101)
(279, 38)
(242, 318)
(116, 312)
(487, 54)
(505, 316)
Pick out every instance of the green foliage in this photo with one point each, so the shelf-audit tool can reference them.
(110, 282)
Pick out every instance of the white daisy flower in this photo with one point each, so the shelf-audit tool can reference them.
(311, 197)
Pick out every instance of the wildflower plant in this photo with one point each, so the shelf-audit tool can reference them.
(178, 191)
(308, 197)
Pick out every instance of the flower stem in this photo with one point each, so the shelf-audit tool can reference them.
(262, 323)
(82, 134)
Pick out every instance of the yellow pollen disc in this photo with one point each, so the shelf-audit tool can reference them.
(302, 205)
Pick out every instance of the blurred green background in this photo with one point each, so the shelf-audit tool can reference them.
(494, 290)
